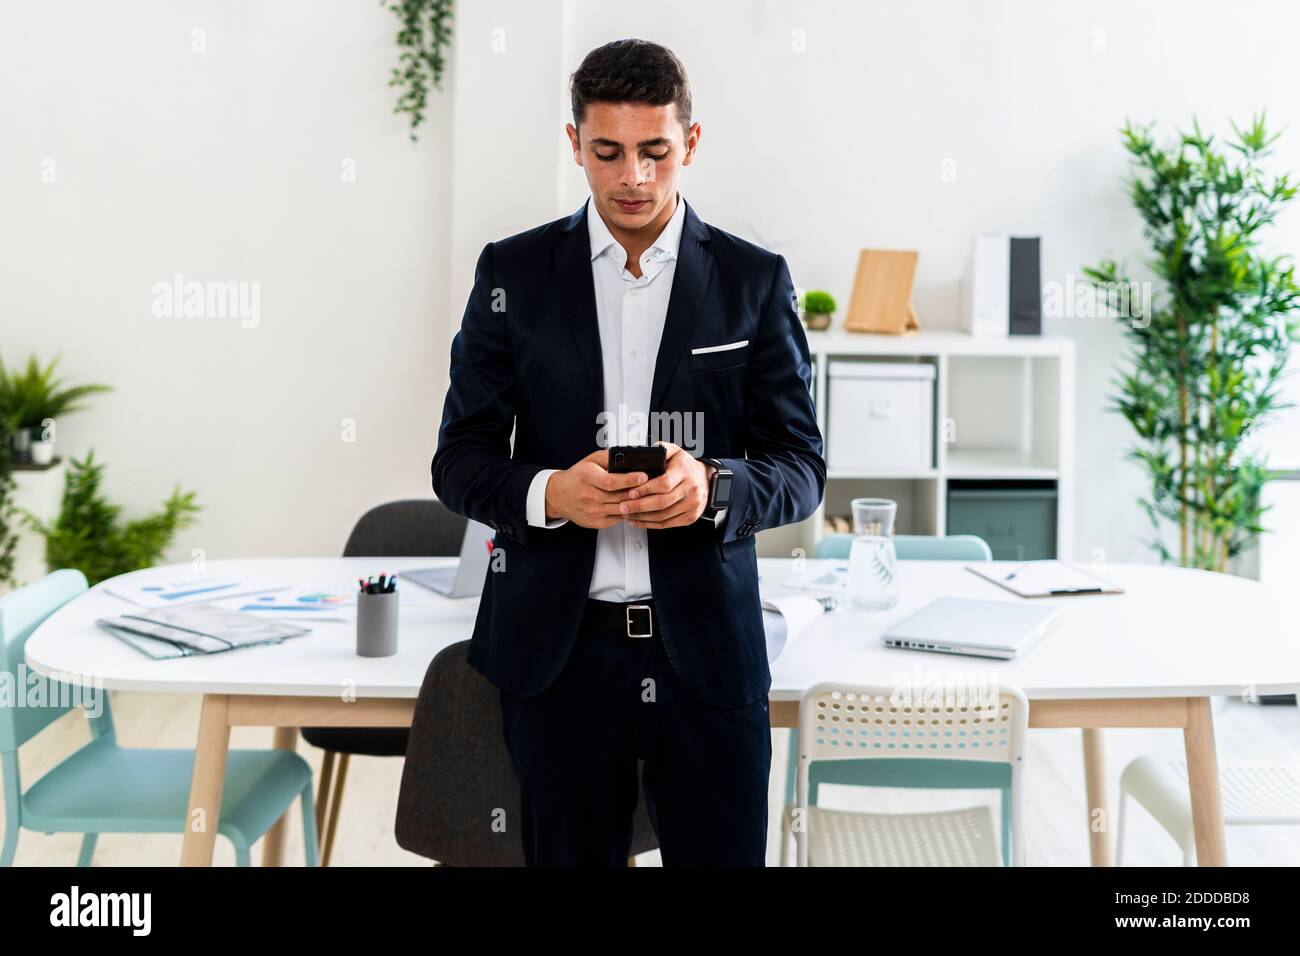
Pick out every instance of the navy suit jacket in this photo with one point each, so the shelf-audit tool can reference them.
(528, 357)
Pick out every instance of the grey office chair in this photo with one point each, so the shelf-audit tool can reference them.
(397, 529)
(458, 778)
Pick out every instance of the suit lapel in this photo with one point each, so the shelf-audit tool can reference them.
(690, 281)
(577, 299)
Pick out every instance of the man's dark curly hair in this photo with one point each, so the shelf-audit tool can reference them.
(631, 71)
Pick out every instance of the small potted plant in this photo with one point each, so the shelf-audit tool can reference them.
(818, 308)
(32, 400)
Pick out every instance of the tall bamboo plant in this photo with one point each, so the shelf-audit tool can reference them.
(1207, 358)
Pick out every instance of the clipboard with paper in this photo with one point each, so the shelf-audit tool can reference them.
(1033, 579)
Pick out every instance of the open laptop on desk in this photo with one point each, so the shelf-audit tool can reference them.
(465, 578)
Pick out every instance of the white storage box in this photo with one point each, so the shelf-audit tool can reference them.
(881, 417)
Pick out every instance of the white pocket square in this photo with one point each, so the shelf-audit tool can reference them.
(721, 348)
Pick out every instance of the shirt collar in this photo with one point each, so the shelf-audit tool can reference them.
(669, 239)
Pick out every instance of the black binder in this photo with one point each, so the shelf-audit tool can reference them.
(1026, 299)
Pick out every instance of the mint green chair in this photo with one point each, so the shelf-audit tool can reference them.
(104, 788)
(914, 547)
(914, 773)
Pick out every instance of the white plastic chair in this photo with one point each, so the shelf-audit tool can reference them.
(1253, 794)
(849, 722)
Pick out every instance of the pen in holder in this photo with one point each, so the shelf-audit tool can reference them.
(377, 623)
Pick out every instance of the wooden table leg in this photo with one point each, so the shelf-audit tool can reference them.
(286, 738)
(209, 775)
(1203, 784)
(1094, 775)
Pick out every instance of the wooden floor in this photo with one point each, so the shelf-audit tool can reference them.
(1055, 812)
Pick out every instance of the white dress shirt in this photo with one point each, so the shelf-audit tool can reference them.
(631, 313)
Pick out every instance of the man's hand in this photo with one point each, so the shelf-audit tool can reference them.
(676, 498)
(588, 494)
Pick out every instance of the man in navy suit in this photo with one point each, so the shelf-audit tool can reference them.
(621, 618)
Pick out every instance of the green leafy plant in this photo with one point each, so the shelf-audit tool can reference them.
(29, 396)
(1207, 356)
(8, 538)
(425, 31)
(817, 302)
(88, 536)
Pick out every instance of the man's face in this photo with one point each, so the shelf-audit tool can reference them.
(632, 153)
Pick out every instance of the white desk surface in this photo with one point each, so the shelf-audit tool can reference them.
(1175, 633)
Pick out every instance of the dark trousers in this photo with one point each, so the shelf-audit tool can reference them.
(575, 749)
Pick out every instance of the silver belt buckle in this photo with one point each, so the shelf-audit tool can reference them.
(627, 617)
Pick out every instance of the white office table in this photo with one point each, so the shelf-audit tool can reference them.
(1151, 657)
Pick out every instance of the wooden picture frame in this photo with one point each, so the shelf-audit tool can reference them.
(882, 293)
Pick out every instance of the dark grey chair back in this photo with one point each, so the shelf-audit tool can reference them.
(458, 779)
(414, 528)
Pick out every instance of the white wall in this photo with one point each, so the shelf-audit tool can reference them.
(226, 165)
(505, 127)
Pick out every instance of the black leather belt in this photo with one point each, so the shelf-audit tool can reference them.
(635, 618)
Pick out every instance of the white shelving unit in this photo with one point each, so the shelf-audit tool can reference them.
(1004, 410)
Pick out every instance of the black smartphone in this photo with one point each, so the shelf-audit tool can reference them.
(652, 459)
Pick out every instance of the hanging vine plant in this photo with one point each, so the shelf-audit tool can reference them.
(424, 34)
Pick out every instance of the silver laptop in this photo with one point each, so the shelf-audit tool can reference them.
(1000, 629)
(465, 578)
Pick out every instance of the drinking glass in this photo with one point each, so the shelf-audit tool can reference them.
(873, 579)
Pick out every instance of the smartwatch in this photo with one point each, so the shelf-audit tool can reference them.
(719, 490)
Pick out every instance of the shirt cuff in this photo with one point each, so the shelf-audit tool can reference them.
(536, 506)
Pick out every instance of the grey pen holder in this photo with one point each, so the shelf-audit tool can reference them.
(377, 624)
